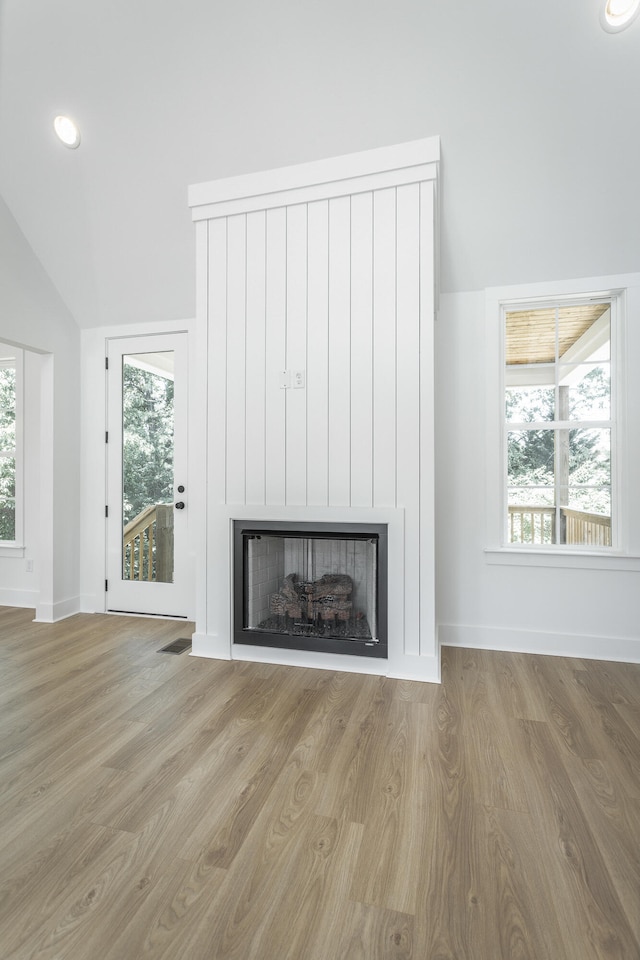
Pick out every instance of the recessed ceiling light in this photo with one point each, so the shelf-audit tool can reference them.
(68, 132)
(618, 14)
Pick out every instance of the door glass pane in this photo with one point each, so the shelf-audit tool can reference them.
(147, 466)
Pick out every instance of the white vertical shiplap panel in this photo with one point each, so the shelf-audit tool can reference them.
(362, 350)
(339, 352)
(198, 428)
(427, 420)
(236, 357)
(275, 356)
(384, 348)
(296, 413)
(408, 399)
(255, 354)
(217, 361)
(318, 354)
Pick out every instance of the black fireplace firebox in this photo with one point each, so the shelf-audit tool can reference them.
(311, 586)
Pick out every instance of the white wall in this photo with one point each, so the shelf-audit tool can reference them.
(584, 607)
(32, 315)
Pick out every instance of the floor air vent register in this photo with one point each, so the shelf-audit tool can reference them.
(176, 646)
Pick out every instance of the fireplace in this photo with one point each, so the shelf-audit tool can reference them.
(311, 586)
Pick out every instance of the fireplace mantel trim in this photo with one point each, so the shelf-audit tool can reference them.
(217, 642)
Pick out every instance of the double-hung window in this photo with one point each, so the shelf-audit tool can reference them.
(10, 445)
(559, 424)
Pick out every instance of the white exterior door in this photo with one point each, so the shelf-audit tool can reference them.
(147, 483)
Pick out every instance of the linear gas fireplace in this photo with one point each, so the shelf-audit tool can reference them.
(311, 586)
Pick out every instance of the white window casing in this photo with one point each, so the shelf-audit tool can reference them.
(498, 302)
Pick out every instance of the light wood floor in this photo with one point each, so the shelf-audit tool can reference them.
(159, 806)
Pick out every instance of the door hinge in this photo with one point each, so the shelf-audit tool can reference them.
(106, 585)
(106, 436)
(106, 510)
(106, 363)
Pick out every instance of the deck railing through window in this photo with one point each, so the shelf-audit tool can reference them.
(537, 525)
(587, 528)
(147, 545)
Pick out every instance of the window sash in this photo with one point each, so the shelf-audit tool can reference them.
(16, 361)
(610, 424)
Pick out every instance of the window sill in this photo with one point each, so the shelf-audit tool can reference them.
(11, 550)
(577, 560)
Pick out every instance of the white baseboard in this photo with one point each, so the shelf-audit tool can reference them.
(18, 598)
(425, 669)
(310, 658)
(622, 649)
(52, 612)
(92, 603)
(210, 645)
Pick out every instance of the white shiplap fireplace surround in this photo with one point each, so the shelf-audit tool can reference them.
(315, 310)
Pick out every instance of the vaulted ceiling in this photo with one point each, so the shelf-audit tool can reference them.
(535, 104)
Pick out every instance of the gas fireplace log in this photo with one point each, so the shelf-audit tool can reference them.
(327, 598)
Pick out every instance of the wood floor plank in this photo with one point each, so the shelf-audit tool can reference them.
(176, 906)
(156, 807)
(513, 686)
(371, 933)
(348, 793)
(387, 872)
(89, 862)
(593, 914)
(618, 742)
(614, 821)
(253, 906)
(327, 724)
(322, 866)
(496, 780)
(515, 893)
(68, 776)
(618, 682)
(449, 911)
(556, 685)
(228, 836)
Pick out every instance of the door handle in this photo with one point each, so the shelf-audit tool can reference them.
(180, 505)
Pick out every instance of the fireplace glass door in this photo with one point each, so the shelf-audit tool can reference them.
(312, 589)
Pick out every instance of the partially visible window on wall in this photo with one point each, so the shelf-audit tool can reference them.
(9, 444)
(559, 427)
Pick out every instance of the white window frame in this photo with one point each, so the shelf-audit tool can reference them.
(498, 301)
(12, 548)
